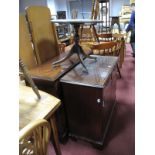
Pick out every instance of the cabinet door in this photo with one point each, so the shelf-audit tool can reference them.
(84, 111)
(108, 99)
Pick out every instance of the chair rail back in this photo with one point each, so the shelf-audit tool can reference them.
(34, 138)
(107, 48)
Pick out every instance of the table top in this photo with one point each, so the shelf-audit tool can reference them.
(47, 72)
(30, 108)
(77, 21)
(98, 72)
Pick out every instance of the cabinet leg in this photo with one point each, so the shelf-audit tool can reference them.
(98, 146)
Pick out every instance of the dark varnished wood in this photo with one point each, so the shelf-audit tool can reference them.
(51, 73)
(90, 98)
(46, 77)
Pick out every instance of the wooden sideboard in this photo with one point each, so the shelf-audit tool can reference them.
(89, 98)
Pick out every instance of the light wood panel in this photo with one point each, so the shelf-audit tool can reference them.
(26, 51)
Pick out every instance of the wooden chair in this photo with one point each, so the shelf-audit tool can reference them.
(26, 51)
(90, 30)
(109, 49)
(105, 37)
(95, 9)
(108, 37)
(34, 138)
(43, 32)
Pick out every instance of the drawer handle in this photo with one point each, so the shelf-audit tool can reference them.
(98, 100)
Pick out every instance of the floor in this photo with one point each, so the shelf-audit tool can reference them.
(120, 139)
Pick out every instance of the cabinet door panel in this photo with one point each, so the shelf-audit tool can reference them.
(84, 112)
(109, 98)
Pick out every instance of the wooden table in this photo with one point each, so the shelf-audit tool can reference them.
(77, 49)
(30, 109)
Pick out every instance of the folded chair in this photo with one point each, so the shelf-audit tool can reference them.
(44, 36)
(108, 49)
(34, 138)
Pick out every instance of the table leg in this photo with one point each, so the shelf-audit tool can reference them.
(71, 52)
(76, 49)
(55, 135)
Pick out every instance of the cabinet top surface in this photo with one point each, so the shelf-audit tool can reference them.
(98, 72)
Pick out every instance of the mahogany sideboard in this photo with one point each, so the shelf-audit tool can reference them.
(90, 98)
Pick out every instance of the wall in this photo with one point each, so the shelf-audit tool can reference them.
(61, 5)
(64, 5)
(115, 6)
(57, 5)
(25, 3)
(51, 5)
(84, 8)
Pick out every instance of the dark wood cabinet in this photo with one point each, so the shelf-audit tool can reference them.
(89, 98)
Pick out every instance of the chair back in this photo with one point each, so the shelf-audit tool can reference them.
(43, 33)
(87, 34)
(105, 36)
(34, 138)
(107, 48)
(26, 52)
(95, 9)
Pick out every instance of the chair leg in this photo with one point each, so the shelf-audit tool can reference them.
(119, 71)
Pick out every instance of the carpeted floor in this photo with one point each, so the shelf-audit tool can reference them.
(120, 139)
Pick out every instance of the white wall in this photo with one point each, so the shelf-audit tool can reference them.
(57, 5)
(25, 3)
(115, 6)
(51, 5)
(83, 6)
(63, 5)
